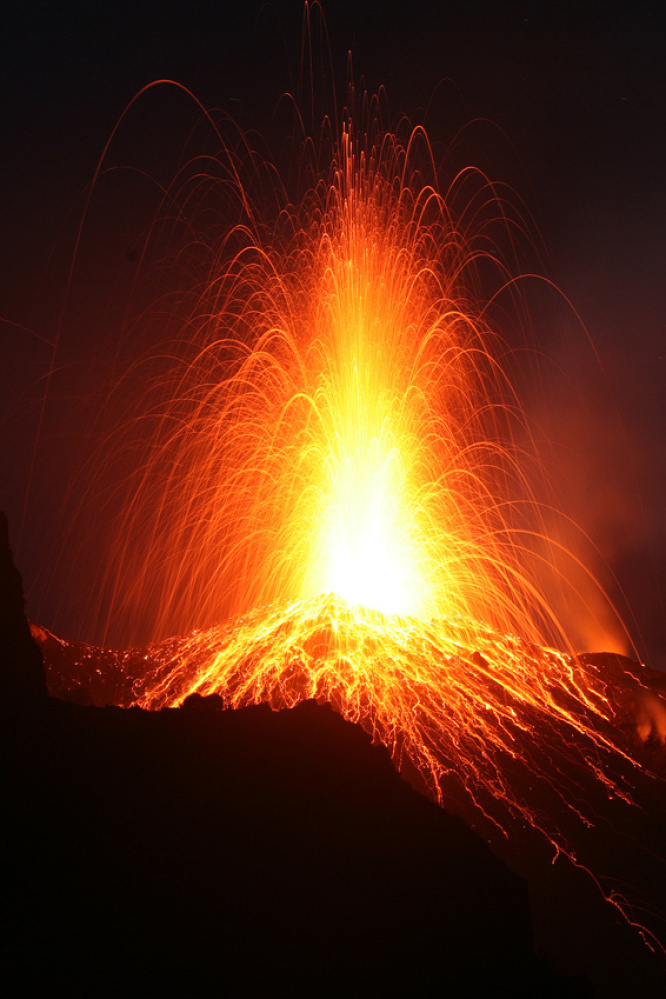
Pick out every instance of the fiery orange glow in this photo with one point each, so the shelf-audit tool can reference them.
(421, 687)
(335, 417)
(333, 459)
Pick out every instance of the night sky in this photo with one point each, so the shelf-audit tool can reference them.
(572, 97)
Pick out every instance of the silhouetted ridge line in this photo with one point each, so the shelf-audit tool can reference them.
(21, 662)
(247, 853)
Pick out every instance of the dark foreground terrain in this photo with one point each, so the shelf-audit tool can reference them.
(244, 853)
(198, 852)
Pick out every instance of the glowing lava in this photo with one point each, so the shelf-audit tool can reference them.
(333, 417)
(533, 747)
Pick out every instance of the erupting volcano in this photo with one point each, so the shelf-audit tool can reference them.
(327, 473)
(337, 467)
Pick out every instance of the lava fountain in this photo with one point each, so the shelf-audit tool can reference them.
(331, 479)
(335, 416)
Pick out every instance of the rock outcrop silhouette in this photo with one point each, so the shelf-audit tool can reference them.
(21, 662)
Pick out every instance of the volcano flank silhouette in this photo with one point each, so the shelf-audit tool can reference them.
(21, 662)
(195, 851)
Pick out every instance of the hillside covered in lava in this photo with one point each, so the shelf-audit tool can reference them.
(249, 852)
(278, 852)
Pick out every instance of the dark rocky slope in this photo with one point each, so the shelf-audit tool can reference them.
(246, 853)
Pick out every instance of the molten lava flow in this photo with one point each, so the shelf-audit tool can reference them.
(421, 688)
(530, 745)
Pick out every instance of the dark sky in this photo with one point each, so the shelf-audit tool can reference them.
(576, 92)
